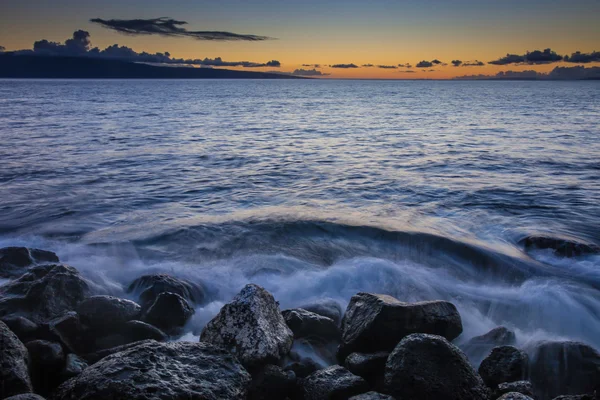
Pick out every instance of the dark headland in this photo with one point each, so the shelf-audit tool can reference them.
(56, 67)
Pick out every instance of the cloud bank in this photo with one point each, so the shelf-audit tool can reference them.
(169, 27)
(531, 58)
(344, 66)
(387, 67)
(308, 72)
(559, 73)
(583, 58)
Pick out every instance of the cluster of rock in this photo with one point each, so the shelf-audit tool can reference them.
(59, 340)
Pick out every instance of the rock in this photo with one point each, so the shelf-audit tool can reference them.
(478, 347)
(21, 326)
(326, 307)
(169, 312)
(92, 358)
(334, 382)
(272, 382)
(74, 365)
(14, 376)
(47, 362)
(148, 287)
(305, 324)
(138, 330)
(562, 246)
(26, 396)
(303, 367)
(107, 313)
(169, 371)
(523, 387)
(563, 368)
(371, 367)
(375, 322)
(372, 396)
(68, 331)
(43, 293)
(428, 367)
(15, 260)
(109, 341)
(504, 364)
(576, 397)
(252, 327)
(514, 396)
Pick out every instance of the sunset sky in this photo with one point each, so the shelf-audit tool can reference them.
(377, 32)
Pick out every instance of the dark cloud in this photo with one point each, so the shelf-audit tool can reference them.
(408, 71)
(534, 57)
(344, 66)
(312, 65)
(456, 63)
(368, 65)
(169, 27)
(407, 65)
(583, 58)
(425, 64)
(558, 73)
(387, 67)
(308, 72)
(436, 62)
(475, 63)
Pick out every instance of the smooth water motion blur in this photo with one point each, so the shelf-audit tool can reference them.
(314, 189)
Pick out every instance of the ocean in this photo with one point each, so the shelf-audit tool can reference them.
(316, 188)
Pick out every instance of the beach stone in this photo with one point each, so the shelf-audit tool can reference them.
(523, 387)
(428, 367)
(372, 396)
(371, 367)
(169, 371)
(514, 396)
(334, 382)
(74, 365)
(43, 293)
(478, 347)
(252, 327)
(149, 287)
(272, 382)
(138, 330)
(22, 327)
(303, 367)
(14, 261)
(562, 246)
(107, 313)
(47, 361)
(26, 396)
(14, 373)
(68, 330)
(306, 324)
(564, 368)
(504, 364)
(326, 307)
(376, 322)
(170, 312)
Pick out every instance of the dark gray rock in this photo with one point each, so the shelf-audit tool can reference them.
(43, 293)
(14, 261)
(303, 367)
(563, 368)
(138, 330)
(148, 287)
(251, 327)
(372, 396)
(564, 247)
(47, 361)
(576, 397)
(26, 396)
(74, 365)
(107, 313)
(504, 364)
(272, 382)
(375, 322)
(514, 396)
(170, 312)
(305, 324)
(67, 329)
(523, 387)
(428, 367)
(478, 347)
(326, 307)
(169, 371)
(334, 382)
(96, 356)
(371, 367)
(22, 327)
(14, 375)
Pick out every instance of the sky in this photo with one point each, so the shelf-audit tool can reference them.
(328, 33)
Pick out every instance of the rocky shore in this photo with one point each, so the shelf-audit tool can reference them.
(59, 339)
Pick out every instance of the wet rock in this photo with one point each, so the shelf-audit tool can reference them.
(272, 382)
(169, 312)
(375, 322)
(372, 396)
(478, 347)
(43, 293)
(563, 368)
(562, 246)
(148, 287)
(504, 364)
(25, 396)
(138, 330)
(14, 261)
(107, 313)
(305, 324)
(523, 387)
(68, 331)
(252, 327)
(326, 307)
(14, 375)
(428, 367)
(96, 356)
(21, 326)
(371, 367)
(303, 367)
(576, 397)
(109, 341)
(168, 371)
(74, 365)
(514, 396)
(334, 382)
(47, 360)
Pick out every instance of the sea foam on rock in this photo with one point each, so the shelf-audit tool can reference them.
(149, 287)
(376, 322)
(478, 347)
(169, 312)
(107, 313)
(14, 374)
(168, 371)
(251, 326)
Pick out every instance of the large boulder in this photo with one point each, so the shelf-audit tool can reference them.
(107, 313)
(514, 396)
(67, 329)
(96, 356)
(326, 307)
(169, 371)
(564, 368)
(564, 247)
(334, 382)
(272, 382)
(478, 347)
(14, 375)
(252, 327)
(14, 261)
(371, 367)
(504, 364)
(306, 324)
(148, 287)
(43, 293)
(375, 322)
(428, 367)
(169, 312)
(47, 361)
(22, 327)
(523, 387)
